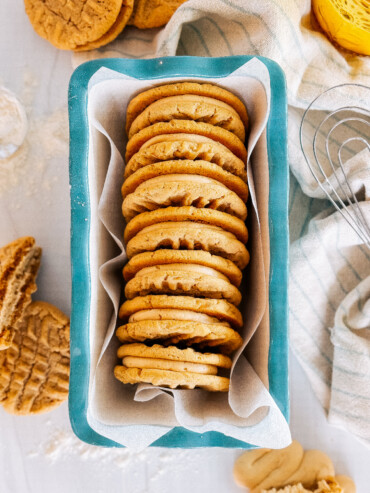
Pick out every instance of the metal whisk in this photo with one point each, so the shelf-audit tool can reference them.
(334, 129)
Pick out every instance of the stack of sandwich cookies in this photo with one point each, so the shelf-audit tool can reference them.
(184, 198)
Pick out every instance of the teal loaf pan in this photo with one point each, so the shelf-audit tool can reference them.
(80, 227)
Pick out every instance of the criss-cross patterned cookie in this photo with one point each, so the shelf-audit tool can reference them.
(19, 264)
(181, 191)
(190, 107)
(188, 235)
(185, 166)
(164, 256)
(140, 102)
(192, 147)
(68, 25)
(174, 331)
(34, 370)
(220, 309)
(228, 139)
(189, 279)
(197, 215)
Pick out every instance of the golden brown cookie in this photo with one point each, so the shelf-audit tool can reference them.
(185, 166)
(162, 257)
(173, 353)
(172, 379)
(174, 331)
(220, 309)
(70, 24)
(265, 468)
(188, 235)
(114, 30)
(34, 371)
(153, 13)
(19, 264)
(145, 98)
(187, 214)
(190, 107)
(184, 279)
(168, 147)
(182, 191)
(231, 141)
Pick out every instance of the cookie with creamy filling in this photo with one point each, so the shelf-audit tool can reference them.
(190, 107)
(181, 190)
(185, 166)
(228, 139)
(184, 279)
(167, 147)
(199, 257)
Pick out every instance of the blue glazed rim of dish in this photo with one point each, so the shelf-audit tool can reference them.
(80, 229)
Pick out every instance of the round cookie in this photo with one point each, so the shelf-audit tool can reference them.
(114, 30)
(172, 379)
(19, 264)
(34, 371)
(220, 309)
(173, 314)
(182, 191)
(211, 217)
(173, 353)
(175, 331)
(145, 98)
(193, 147)
(265, 468)
(161, 257)
(185, 166)
(231, 141)
(188, 235)
(181, 279)
(68, 25)
(190, 107)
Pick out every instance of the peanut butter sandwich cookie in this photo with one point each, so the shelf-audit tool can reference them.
(153, 13)
(140, 102)
(222, 310)
(163, 257)
(172, 332)
(182, 190)
(68, 25)
(185, 166)
(189, 214)
(19, 264)
(187, 279)
(191, 147)
(189, 236)
(172, 379)
(228, 139)
(190, 107)
(34, 370)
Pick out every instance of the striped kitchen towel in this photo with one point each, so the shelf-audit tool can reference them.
(330, 270)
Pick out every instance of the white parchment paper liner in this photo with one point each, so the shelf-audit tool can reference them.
(119, 411)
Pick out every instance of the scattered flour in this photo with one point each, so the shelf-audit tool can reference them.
(46, 139)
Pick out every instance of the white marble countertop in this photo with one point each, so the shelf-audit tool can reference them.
(40, 453)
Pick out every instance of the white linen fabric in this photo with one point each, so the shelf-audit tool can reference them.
(329, 268)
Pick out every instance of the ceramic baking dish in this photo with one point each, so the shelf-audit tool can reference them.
(80, 228)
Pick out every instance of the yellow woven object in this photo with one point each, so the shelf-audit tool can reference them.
(347, 22)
